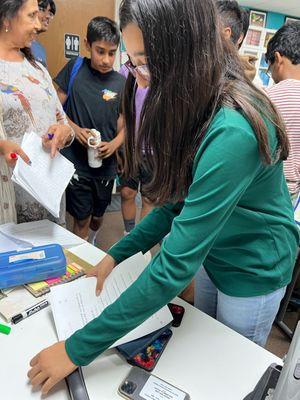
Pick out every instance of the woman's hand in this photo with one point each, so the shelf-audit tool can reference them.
(57, 137)
(11, 151)
(50, 366)
(101, 271)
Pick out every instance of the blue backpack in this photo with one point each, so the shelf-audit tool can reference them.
(76, 67)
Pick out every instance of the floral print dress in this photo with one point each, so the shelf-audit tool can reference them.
(29, 103)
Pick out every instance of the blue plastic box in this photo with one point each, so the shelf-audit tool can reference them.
(31, 265)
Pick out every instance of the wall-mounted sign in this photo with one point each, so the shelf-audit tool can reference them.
(72, 45)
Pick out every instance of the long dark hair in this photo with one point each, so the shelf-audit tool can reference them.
(194, 72)
(8, 10)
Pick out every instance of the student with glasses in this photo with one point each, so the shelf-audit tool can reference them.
(214, 145)
(47, 11)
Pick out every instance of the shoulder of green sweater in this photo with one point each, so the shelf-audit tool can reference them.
(230, 118)
(236, 128)
(229, 127)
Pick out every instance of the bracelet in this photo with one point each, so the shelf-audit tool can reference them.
(71, 140)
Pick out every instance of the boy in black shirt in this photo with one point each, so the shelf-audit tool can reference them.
(91, 93)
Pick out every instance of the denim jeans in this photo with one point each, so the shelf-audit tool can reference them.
(252, 317)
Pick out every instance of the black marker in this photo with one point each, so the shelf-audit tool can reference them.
(32, 310)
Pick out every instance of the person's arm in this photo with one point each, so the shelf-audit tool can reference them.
(221, 175)
(147, 233)
(107, 149)
(81, 134)
(61, 134)
(62, 95)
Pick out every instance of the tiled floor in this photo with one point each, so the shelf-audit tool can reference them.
(112, 230)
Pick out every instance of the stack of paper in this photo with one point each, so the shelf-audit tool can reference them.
(46, 179)
(39, 233)
(8, 243)
(75, 304)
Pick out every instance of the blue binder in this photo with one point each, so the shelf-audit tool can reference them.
(31, 265)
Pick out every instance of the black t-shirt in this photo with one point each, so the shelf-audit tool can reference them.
(94, 102)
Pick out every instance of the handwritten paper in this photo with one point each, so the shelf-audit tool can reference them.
(75, 304)
(46, 179)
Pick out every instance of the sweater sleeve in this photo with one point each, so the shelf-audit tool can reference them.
(153, 228)
(226, 163)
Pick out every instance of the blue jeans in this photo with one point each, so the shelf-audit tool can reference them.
(252, 317)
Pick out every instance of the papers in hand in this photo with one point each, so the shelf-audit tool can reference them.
(46, 179)
(75, 304)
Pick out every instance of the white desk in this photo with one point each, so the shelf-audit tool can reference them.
(204, 358)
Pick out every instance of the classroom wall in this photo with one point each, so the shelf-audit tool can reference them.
(72, 17)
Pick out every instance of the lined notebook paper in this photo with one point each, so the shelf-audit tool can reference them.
(75, 304)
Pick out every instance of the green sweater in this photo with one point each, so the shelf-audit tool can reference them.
(237, 220)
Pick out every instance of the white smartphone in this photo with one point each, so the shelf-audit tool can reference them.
(141, 385)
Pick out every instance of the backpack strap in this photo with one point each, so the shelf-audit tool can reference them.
(76, 67)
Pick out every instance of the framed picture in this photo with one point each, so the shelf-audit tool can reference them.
(253, 37)
(268, 37)
(290, 19)
(258, 18)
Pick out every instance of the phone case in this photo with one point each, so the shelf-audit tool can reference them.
(177, 312)
(130, 349)
(149, 356)
(137, 382)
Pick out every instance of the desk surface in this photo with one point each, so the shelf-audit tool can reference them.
(204, 358)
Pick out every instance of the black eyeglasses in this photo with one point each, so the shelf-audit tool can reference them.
(141, 70)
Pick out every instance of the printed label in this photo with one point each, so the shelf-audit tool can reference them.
(36, 255)
(156, 389)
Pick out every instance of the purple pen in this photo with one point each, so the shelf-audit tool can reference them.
(50, 136)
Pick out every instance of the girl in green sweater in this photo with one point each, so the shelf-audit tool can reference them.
(214, 145)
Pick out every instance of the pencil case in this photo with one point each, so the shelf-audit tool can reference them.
(31, 265)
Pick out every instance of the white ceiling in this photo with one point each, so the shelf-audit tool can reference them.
(287, 7)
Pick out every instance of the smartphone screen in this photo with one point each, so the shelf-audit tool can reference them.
(148, 357)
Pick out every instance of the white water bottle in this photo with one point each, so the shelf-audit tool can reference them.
(95, 161)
